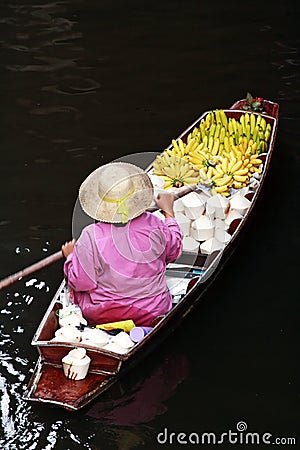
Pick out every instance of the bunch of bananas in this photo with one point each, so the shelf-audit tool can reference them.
(175, 171)
(231, 169)
(225, 152)
(217, 131)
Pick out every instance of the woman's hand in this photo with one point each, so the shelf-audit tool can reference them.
(68, 248)
(165, 201)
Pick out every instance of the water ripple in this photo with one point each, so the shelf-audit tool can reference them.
(74, 86)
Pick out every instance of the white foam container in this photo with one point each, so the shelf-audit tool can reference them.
(232, 215)
(210, 211)
(95, 336)
(67, 333)
(178, 206)
(123, 340)
(219, 223)
(222, 235)
(76, 364)
(202, 228)
(220, 204)
(190, 244)
(240, 204)
(194, 206)
(211, 245)
(184, 222)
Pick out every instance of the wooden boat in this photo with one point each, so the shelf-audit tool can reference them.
(49, 385)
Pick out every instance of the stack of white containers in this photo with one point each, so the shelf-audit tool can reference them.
(205, 219)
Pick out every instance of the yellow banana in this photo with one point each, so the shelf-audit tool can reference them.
(237, 184)
(221, 148)
(267, 135)
(234, 124)
(217, 176)
(241, 172)
(205, 141)
(222, 134)
(225, 165)
(215, 148)
(253, 147)
(236, 152)
(223, 181)
(242, 121)
(191, 145)
(217, 130)
(181, 145)
(170, 172)
(212, 129)
(255, 133)
(207, 120)
(263, 123)
(252, 123)
(231, 141)
(232, 154)
(254, 157)
(210, 143)
(219, 169)
(221, 189)
(197, 161)
(245, 143)
(237, 135)
(224, 119)
(217, 116)
(175, 145)
(198, 148)
(255, 169)
(209, 173)
(258, 119)
(248, 131)
(190, 136)
(241, 178)
(226, 144)
(256, 161)
(191, 180)
(247, 118)
(236, 166)
(168, 184)
(262, 147)
(187, 173)
(203, 152)
(202, 126)
(202, 174)
(231, 164)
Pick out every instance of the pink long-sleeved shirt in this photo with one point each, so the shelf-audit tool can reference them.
(118, 273)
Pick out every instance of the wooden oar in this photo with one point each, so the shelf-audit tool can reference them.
(59, 255)
(30, 269)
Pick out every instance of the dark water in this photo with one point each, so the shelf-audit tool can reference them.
(84, 82)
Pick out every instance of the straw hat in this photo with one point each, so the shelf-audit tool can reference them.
(116, 192)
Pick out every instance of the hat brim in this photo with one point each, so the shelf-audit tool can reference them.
(99, 209)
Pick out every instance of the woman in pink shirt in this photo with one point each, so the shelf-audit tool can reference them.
(117, 266)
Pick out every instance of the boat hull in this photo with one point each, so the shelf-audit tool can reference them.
(48, 383)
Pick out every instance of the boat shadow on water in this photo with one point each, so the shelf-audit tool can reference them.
(125, 413)
(130, 402)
